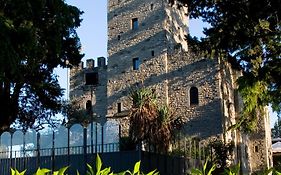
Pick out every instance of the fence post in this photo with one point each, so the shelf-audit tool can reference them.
(68, 145)
(53, 152)
(102, 137)
(92, 135)
(85, 148)
(96, 130)
(119, 135)
(11, 152)
(24, 153)
(38, 149)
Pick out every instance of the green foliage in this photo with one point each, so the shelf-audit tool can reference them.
(222, 153)
(40, 171)
(147, 118)
(43, 171)
(36, 37)
(15, 172)
(137, 171)
(107, 171)
(276, 130)
(99, 171)
(233, 170)
(205, 170)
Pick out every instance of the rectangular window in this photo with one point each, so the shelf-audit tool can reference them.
(135, 24)
(152, 53)
(151, 6)
(119, 107)
(136, 64)
(92, 78)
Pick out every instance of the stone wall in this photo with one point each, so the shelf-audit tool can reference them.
(147, 43)
(186, 71)
(81, 93)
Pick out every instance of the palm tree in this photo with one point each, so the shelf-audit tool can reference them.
(150, 122)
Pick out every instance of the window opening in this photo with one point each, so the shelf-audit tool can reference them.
(152, 53)
(151, 6)
(136, 64)
(119, 107)
(89, 106)
(92, 78)
(135, 24)
(194, 100)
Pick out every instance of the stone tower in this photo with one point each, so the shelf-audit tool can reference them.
(146, 45)
(141, 34)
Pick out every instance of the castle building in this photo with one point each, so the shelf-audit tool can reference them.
(147, 45)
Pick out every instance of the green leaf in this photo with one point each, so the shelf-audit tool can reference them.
(77, 172)
(277, 173)
(62, 170)
(152, 172)
(137, 168)
(13, 171)
(105, 171)
(212, 169)
(195, 171)
(98, 164)
(91, 171)
(22, 173)
(42, 171)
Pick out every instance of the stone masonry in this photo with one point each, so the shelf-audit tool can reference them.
(146, 45)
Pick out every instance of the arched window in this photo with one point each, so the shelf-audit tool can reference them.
(89, 106)
(193, 94)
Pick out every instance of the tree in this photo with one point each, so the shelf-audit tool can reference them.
(247, 34)
(276, 130)
(150, 122)
(36, 37)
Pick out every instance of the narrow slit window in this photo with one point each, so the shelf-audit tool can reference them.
(136, 64)
(119, 107)
(89, 106)
(152, 53)
(135, 23)
(92, 78)
(151, 6)
(193, 93)
(119, 37)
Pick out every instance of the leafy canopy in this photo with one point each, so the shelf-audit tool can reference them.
(246, 33)
(36, 37)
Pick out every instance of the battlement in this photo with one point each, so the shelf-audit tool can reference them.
(90, 65)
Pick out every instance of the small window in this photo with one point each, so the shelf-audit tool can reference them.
(119, 37)
(136, 64)
(256, 149)
(193, 93)
(135, 24)
(151, 6)
(119, 107)
(89, 106)
(92, 78)
(152, 53)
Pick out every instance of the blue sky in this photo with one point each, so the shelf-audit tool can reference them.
(93, 33)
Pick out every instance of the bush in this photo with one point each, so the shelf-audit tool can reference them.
(91, 171)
